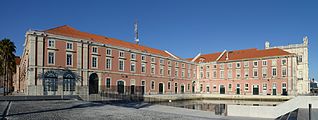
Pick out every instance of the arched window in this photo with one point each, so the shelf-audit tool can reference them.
(50, 81)
(68, 81)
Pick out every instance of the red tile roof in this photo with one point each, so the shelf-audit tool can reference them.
(242, 54)
(72, 32)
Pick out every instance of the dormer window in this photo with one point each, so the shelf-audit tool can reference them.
(69, 46)
(95, 50)
(51, 43)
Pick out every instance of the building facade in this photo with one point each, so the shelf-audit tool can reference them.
(66, 61)
(246, 72)
(301, 66)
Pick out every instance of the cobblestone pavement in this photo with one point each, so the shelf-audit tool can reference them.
(80, 110)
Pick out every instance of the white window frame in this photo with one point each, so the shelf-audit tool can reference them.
(153, 69)
(284, 69)
(110, 82)
(132, 66)
(246, 63)
(133, 56)
(52, 41)
(264, 72)
(110, 52)
(229, 65)
(67, 46)
(264, 61)
(119, 65)
(230, 73)
(95, 48)
(283, 62)
(152, 87)
(255, 69)
(153, 60)
(121, 54)
(93, 62)
(238, 73)
(48, 56)
(273, 71)
(67, 59)
(238, 64)
(221, 74)
(110, 64)
(143, 65)
(254, 63)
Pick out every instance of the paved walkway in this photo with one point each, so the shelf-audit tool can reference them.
(80, 110)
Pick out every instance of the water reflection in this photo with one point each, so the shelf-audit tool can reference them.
(218, 107)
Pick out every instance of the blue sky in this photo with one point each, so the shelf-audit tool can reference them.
(183, 27)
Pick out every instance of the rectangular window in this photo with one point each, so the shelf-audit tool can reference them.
(153, 60)
(221, 74)
(274, 62)
(51, 57)
(108, 63)
(95, 50)
(176, 73)
(229, 65)
(284, 71)
(300, 59)
(169, 62)
(133, 56)
(238, 73)
(161, 70)
(246, 64)
(188, 87)
(169, 85)
(189, 74)
(214, 66)
(121, 54)
(177, 64)
(51, 43)
(143, 67)
(161, 61)
(238, 65)
(246, 87)
(208, 75)
(255, 63)
(182, 73)
(121, 65)
(94, 62)
(108, 52)
(284, 85)
(274, 72)
(246, 73)
(201, 74)
(264, 86)
(69, 46)
(183, 65)
(264, 72)
(255, 72)
(143, 58)
(229, 73)
(69, 58)
(107, 82)
(230, 87)
(214, 74)
(132, 67)
(169, 71)
(221, 66)
(152, 69)
(264, 63)
(284, 62)
(152, 85)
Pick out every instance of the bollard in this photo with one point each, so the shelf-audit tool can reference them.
(309, 112)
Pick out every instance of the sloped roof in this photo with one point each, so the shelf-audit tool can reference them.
(72, 32)
(242, 54)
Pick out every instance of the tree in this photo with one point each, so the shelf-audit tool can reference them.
(7, 61)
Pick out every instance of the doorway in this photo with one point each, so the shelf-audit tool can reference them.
(93, 84)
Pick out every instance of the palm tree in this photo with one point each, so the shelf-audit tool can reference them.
(7, 50)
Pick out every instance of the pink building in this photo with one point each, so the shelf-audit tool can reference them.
(54, 59)
(64, 60)
(246, 72)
